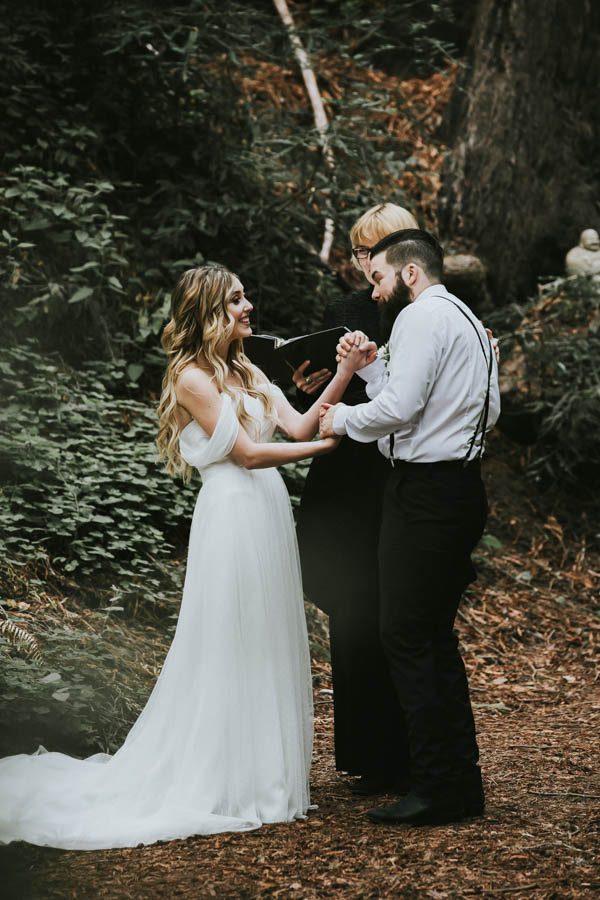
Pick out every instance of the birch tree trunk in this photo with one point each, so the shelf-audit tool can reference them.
(319, 114)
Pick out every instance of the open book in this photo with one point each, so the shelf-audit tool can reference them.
(278, 358)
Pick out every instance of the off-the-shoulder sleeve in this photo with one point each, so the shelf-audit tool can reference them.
(273, 389)
(199, 450)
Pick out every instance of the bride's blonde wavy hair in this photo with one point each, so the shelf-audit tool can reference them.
(200, 324)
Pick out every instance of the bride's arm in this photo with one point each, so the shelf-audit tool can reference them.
(197, 394)
(251, 455)
(302, 426)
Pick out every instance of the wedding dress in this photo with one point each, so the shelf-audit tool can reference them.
(224, 741)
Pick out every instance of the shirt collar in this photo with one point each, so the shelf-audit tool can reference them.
(431, 291)
(434, 290)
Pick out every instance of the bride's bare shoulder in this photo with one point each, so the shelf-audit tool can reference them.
(197, 397)
(195, 380)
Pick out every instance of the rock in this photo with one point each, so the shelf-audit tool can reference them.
(466, 276)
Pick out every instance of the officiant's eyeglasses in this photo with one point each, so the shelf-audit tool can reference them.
(361, 252)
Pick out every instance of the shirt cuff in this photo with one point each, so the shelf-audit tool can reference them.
(339, 419)
(372, 372)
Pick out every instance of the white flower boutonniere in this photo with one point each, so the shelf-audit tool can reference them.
(384, 353)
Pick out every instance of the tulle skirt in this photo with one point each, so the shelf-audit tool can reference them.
(224, 741)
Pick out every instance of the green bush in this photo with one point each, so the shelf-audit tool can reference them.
(64, 258)
(551, 378)
(81, 481)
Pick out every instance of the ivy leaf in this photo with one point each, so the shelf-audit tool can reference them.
(134, 370)
(82, 294)
(493, 543)
(51, 678)
(61, 695)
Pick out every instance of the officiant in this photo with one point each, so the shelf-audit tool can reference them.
(367, 716)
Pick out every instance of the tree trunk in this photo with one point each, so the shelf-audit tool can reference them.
(523, 176)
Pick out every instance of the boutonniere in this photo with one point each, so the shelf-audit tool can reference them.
(384, 353)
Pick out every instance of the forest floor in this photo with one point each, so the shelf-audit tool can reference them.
(529, 635)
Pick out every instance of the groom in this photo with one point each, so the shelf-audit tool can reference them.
(431, 406)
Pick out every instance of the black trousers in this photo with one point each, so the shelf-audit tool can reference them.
(433, 516)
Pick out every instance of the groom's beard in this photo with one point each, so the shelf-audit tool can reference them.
(389, 309)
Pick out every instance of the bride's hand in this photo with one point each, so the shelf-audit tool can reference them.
(360, 355)
(348, 341)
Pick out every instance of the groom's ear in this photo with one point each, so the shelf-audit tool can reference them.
(411, 273)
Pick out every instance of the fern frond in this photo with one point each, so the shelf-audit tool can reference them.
(19, 638)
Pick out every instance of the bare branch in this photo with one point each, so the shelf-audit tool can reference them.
(319, 114)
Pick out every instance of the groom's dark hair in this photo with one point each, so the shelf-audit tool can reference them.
(412, 245)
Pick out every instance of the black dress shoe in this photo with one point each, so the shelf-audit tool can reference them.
(415, 810)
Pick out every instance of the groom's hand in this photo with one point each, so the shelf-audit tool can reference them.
(326, 414)
(494, 343)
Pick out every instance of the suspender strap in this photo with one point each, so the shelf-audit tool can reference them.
(483, 416)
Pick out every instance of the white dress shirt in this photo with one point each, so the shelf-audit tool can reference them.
(432, 391)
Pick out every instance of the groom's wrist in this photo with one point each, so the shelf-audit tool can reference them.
(373, 371)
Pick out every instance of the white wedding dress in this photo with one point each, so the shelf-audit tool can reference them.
(224, 741)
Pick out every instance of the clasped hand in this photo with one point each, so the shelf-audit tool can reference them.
(311, 382)
(354, 352)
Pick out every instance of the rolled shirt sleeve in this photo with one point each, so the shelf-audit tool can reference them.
(375, 377)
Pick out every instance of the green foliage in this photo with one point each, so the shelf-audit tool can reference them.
(491, 542)
(82, 484)
(86, 691)
(410, 37)
(64, 257)
(294, 475)
(143, 138)
(553, 353)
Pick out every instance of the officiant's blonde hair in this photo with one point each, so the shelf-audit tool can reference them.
(200, 323)
(377, 223)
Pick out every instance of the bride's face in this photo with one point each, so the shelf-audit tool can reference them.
(239, 309)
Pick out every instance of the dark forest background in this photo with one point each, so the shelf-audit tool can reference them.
(138, 139)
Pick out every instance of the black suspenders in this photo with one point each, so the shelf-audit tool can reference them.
(483, 416)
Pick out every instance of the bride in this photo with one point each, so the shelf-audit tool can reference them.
(224, 741)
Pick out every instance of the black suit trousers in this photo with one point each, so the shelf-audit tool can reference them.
(433, 516)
